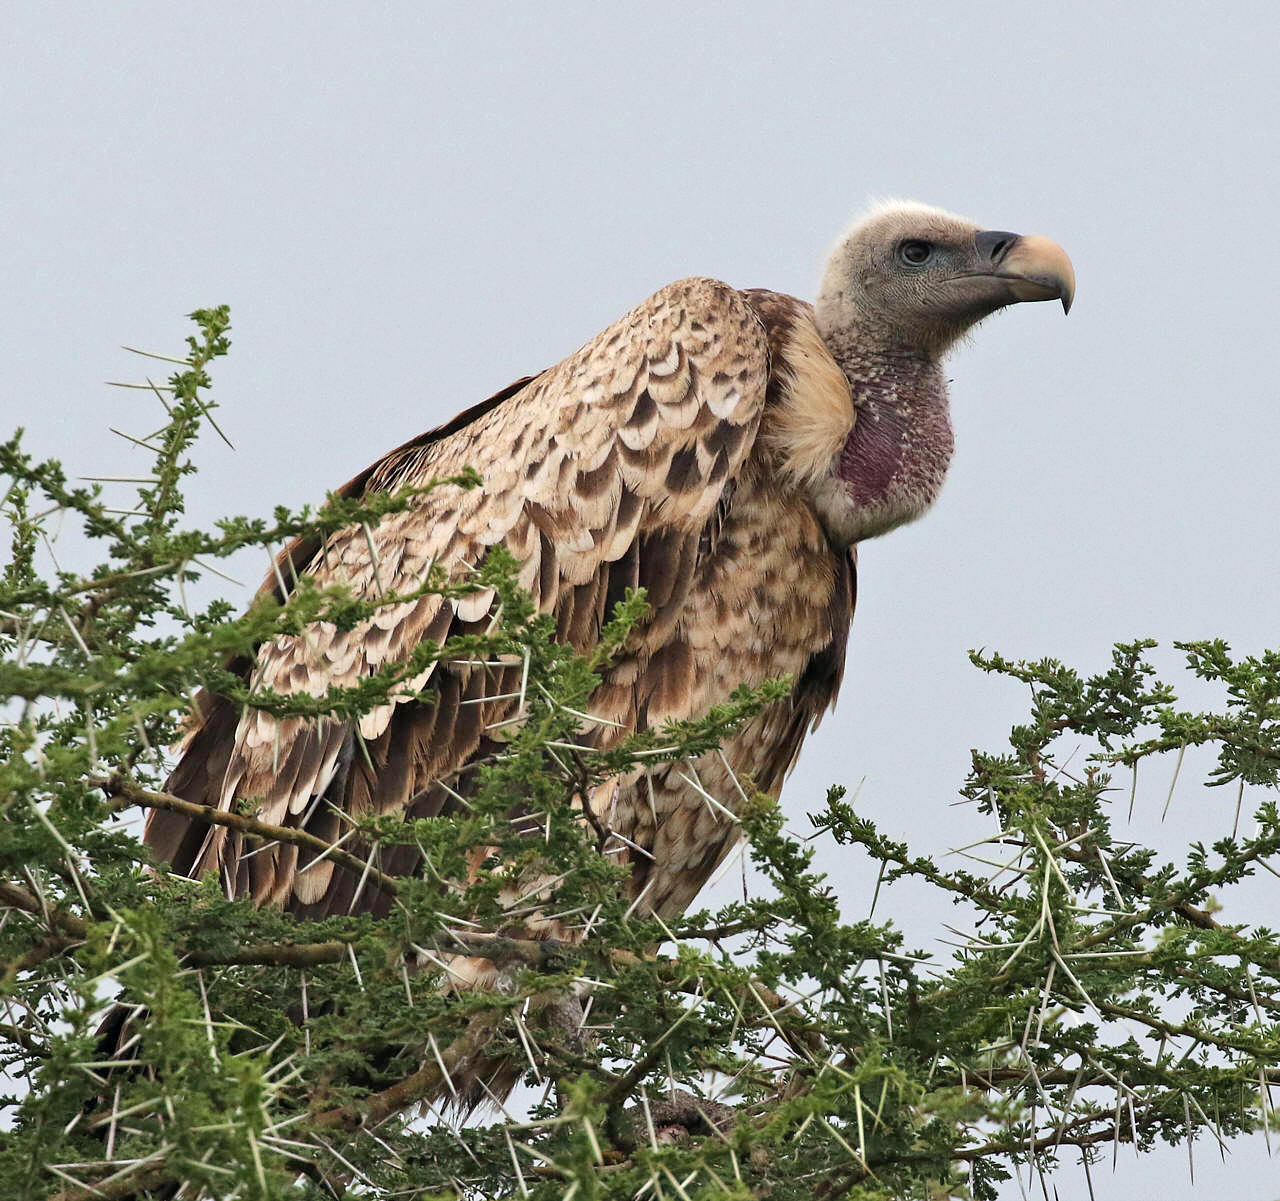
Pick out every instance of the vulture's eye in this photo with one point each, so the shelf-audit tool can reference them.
(914, 253)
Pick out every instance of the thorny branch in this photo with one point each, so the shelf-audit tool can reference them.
(129, 793)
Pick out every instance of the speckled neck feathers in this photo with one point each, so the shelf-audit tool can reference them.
(896, 456)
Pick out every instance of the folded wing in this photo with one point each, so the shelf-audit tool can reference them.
(602, 473)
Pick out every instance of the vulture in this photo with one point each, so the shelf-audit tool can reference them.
(726, 450)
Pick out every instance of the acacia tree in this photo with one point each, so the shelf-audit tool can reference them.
(771, 1048)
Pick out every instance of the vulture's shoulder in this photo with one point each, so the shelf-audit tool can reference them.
(693, 356)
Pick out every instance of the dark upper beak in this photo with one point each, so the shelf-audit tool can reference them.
(1033, 268)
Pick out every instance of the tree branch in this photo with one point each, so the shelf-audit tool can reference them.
(426, 1082)
(134, 794)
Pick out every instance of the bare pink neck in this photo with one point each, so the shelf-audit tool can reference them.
(897, 454)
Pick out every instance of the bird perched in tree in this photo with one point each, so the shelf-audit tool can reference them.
(726, 450)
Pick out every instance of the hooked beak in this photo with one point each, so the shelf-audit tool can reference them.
(1031, 268)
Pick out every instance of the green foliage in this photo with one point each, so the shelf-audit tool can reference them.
(772, 1048)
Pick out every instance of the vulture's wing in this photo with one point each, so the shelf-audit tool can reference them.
(600, 474)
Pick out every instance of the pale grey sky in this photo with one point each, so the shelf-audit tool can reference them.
(408, 205)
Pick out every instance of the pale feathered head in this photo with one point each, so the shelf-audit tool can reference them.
(918, 277)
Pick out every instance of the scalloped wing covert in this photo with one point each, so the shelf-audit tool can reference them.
(602, 473)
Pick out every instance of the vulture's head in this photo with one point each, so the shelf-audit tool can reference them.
(915, 277)
(901, 287)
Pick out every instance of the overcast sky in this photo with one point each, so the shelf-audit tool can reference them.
(408, 205)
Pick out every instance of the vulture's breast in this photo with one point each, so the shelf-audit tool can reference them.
(774, 599)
